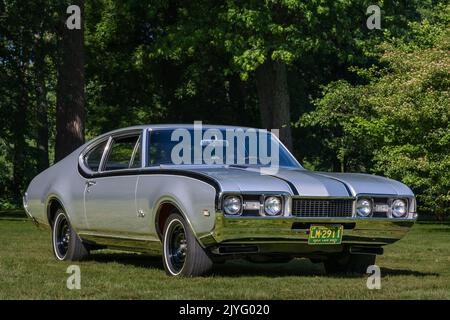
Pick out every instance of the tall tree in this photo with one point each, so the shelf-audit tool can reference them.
(274, 101)
(42, 104)
(19, 119)
(70, 110)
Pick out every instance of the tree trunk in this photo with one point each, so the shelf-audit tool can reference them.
(19, 128)
(274, 102)
(42, 108)
(70, 113)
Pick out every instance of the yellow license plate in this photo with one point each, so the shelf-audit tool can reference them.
(325, 234)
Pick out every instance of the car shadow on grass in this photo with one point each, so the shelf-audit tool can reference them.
(133, 259)
(242, 268)
(297, 267)
(404, 272)
(235, 268)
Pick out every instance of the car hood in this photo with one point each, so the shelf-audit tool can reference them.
(302, 182)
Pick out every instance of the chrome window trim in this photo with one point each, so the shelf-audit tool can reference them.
(145, 145)
(133, 154)
(288, 151)
(108, 138)
(150, 130)
(93, 145)
(105, 153)
(109, 148)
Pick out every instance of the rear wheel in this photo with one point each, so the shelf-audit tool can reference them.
(349, 263)
(183, 255)
(66, 243)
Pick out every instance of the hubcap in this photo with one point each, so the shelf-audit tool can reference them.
(177, 246)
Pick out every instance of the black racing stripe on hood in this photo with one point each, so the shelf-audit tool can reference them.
(290, 184)
(339, 180)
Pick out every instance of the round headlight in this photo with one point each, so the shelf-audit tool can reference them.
(364, 207)
(398, 208)
(232, 205)
(272, 206)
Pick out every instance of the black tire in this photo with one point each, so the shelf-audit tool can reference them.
(349, 263)
(182, 254)
(65, 242)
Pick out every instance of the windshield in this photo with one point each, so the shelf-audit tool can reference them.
(242, 147)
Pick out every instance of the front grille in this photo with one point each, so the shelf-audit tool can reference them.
(322, 208)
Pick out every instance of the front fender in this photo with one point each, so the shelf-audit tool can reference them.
(190, 195)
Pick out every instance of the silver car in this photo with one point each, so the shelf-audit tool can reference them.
(199, 198)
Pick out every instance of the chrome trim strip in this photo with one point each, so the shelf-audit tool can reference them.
(145, 142)
(135, 149)
(323, 198)
(105, 154)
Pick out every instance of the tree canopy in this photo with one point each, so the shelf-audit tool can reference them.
(345, 97)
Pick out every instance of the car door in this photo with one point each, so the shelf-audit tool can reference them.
(109, 196)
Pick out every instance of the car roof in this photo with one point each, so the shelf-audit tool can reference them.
(177, 126)
(166, 126)
(184, 126)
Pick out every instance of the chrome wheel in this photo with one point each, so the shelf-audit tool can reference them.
(61, 236)
(176, 246)
(183, 256)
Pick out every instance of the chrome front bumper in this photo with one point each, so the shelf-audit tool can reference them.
(293, 231)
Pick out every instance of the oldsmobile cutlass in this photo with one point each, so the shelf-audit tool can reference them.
(204, 195)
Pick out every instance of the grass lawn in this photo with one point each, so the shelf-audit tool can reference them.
(417, 267)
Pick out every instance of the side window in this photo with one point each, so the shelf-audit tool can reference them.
(121, 153)
(92, 158)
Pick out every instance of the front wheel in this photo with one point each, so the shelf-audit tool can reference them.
(183, 255)
(65, 241)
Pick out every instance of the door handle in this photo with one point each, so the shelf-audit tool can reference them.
(90, 183)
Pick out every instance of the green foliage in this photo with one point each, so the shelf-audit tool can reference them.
(384, 107)
(397, 124)
(26, 31)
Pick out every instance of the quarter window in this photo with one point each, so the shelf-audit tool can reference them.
(123, 154)
(92, 158)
